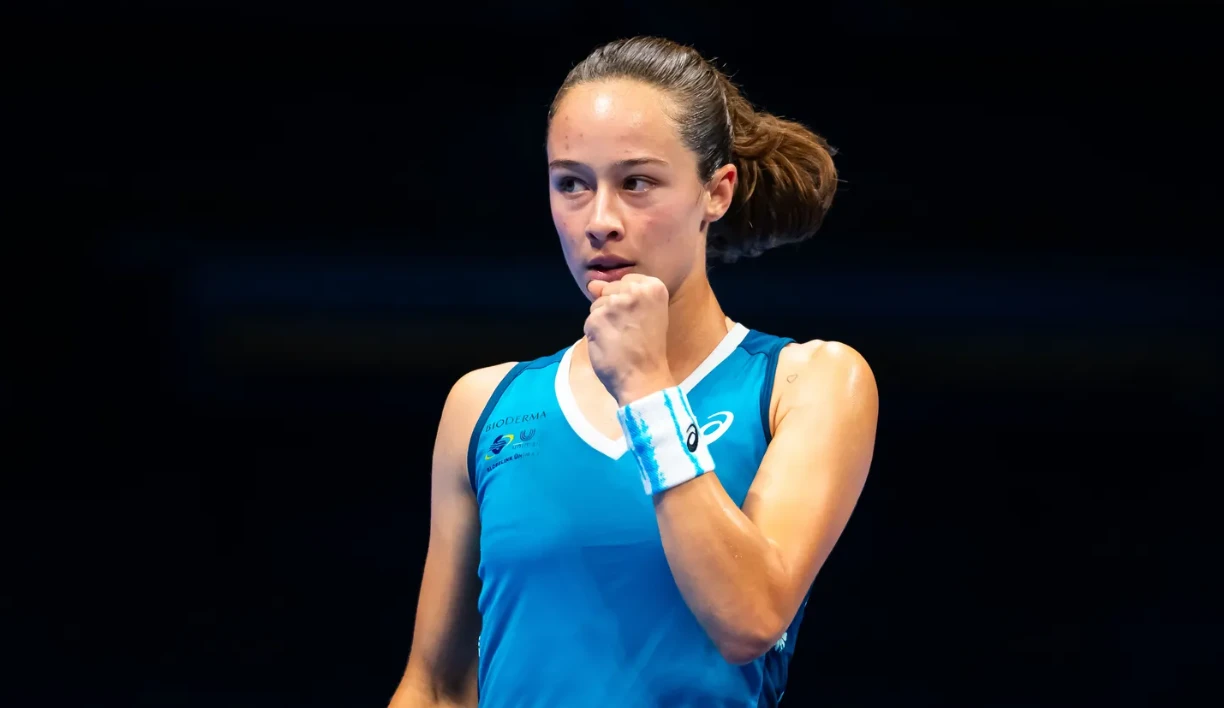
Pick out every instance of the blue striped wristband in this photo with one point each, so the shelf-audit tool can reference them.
(664, 437)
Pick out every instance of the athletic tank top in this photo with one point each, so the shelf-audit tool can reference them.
(578, 603)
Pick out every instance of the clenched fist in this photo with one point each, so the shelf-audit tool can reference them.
(627, 336)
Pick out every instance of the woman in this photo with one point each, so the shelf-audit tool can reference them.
(637, 519)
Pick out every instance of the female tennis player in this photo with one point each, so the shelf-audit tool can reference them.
(638, 519)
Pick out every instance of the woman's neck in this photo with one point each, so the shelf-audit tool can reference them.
(695, 326)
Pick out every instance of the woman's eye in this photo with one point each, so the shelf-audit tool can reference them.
(641, 182)
(568, 184)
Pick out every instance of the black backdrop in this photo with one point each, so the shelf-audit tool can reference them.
(263, 240)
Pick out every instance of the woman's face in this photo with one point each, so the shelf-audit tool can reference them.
(624, 189)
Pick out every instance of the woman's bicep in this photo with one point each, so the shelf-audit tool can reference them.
(442, 661)
(814, 470)
(444, 639)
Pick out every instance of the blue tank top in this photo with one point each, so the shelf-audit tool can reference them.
(579, 606)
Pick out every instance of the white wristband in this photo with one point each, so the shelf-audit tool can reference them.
(664, 437)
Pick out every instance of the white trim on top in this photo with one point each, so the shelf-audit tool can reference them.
(618, 447)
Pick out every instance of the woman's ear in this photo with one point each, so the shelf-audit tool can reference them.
(721, 189)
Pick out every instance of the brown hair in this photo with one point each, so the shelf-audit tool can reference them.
(786, 173)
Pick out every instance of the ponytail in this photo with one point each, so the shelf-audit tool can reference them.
(786, 182)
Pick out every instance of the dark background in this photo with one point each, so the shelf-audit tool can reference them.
(257, 242)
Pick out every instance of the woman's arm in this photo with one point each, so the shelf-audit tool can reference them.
(745, 573)
(441, 668)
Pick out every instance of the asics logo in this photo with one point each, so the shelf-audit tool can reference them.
(691, 438)
(781, 643)
(715, 428)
